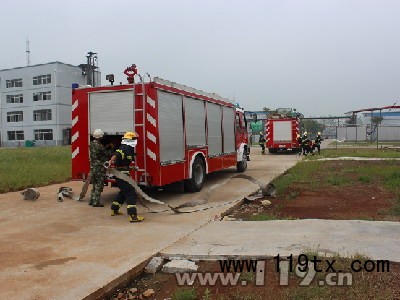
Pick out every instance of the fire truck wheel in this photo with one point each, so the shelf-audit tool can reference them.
(195, 183)
(241, 166)
(272, 150)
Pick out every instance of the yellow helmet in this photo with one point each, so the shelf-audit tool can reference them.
(298, 135)
(130, 135)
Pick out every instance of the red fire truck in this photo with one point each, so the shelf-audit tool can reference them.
(281, 129)
(184, 133)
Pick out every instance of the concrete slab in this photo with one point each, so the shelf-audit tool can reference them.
(375, 239)
(69, 250)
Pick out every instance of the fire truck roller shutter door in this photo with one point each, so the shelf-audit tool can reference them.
(214, 115)
(111, 111)
(195, 118)
(170, 126)
(282, 131)
(228, 126)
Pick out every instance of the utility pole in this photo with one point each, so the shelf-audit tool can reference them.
(28, 53)
(89, 68)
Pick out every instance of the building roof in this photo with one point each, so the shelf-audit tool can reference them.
(383, 114)
(37, 65)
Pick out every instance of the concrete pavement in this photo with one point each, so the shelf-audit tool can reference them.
(266, 239)
(68, 250)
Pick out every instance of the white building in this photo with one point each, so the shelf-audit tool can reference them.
(35, 103)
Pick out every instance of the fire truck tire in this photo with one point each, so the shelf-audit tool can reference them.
(296, 150)
(195, 183)
(241, 166)
(272, 150)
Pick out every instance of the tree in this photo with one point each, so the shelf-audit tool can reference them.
(352, 120)
(376, 120)
(311, 126)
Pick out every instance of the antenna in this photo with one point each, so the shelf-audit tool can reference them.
(28, 53)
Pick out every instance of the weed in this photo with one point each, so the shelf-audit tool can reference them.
(207, 295)
(263, 217)
(395, 209)
(247, 276)
(365, 179)
(246, 296)
(392, 180)
(337, 180)
(292, 195)
(185, 294)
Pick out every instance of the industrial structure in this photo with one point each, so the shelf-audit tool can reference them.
(36, 103)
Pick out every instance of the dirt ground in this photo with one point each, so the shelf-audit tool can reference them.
(351, 201)
(359, 203)
(365, 285)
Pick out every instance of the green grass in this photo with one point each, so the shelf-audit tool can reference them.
(338, 180)
(364, 144)
(319, 175)
(301, 172)
(185, 294)
(32, 167)
(334, 153)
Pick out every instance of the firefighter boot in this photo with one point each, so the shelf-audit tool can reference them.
(135, 218)
(115, 209)
(132, 212)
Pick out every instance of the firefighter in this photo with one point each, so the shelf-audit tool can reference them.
(299, 141)
(317, 142)
(98, 155)
(122, 158)
(305, 144)
(261, 141)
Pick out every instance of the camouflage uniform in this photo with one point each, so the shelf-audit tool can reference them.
(98, 155)
(317, 143)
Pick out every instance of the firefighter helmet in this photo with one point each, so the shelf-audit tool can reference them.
(98, 134)
(298, 135)
(305, 133)
(319, 133)
(130, 135)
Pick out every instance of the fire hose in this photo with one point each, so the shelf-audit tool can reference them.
(266, 190)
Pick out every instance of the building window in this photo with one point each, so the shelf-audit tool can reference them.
(15, 116)
(15, 135)
(43, 134)
(42, 115)
(15, 98)
(42, 79)
(14, 83)
(41, 96)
